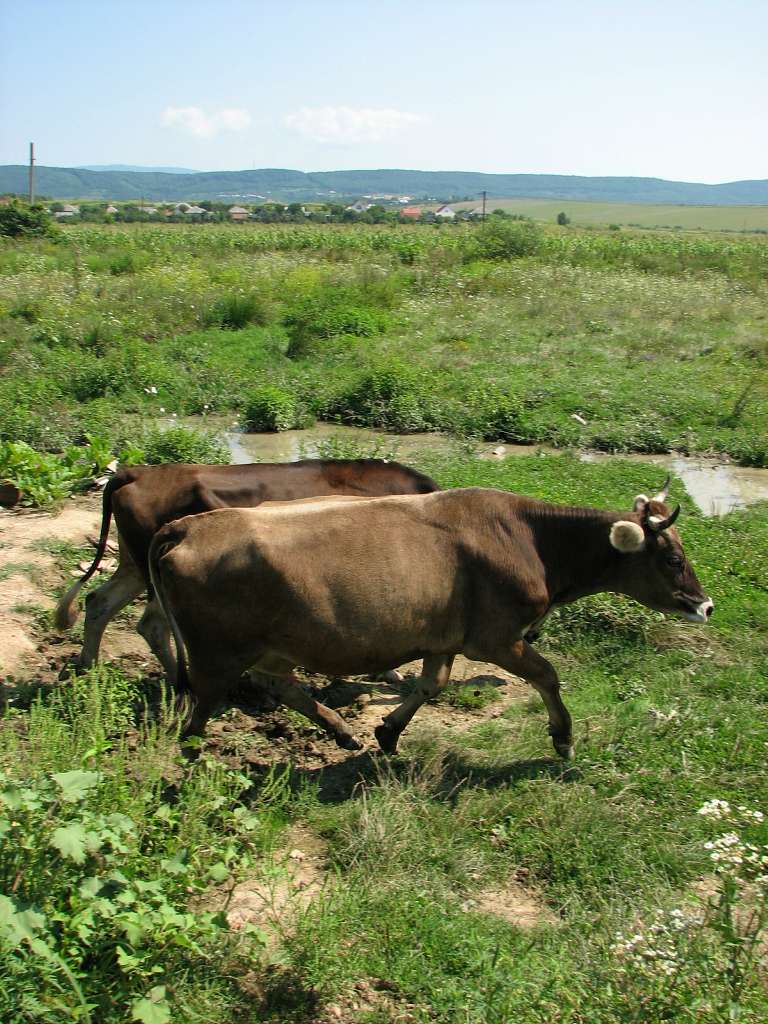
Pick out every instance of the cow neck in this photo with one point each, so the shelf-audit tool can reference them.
(574, 546)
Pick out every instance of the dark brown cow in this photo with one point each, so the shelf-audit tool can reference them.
(364, 586)
(144, 498)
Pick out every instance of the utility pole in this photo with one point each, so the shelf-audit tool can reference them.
(31, 173)
(484, 195)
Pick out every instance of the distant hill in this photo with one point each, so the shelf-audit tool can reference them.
(287, 185)
(131, 167)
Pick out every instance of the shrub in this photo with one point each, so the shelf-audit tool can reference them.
(270, 408)
(499, 239)
(392, 396)
(235, 311)
(182, 444)
(127, 262)
(325, 317)
(496, 415)
(19, 220)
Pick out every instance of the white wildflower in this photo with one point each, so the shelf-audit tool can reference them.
(716, 809)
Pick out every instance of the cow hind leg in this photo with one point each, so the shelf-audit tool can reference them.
(103, 604)
(434, 677)
(153, 626)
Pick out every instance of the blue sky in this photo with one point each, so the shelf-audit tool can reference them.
(675, 90)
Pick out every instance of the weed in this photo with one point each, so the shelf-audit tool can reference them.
(235, 311)
(182, 444)
(270, 408)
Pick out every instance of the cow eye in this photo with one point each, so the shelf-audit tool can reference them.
(675, 561)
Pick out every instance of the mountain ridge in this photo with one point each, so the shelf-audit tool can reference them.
(285, 184)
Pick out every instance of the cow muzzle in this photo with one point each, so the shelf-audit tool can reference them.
(697, 611)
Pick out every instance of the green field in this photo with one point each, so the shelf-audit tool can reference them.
(646, 215)
(656, 341)
(472, 879)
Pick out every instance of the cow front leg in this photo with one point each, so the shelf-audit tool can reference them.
(286, 689)
(153, 626)
(527, 663)
(434, 677)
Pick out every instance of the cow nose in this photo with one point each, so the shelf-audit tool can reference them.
(706, 608)
(709, 609)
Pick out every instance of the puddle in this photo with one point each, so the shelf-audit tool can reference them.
(716, 487)
(290, 445)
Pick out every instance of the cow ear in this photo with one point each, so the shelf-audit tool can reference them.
(640, 502)
(627, 537)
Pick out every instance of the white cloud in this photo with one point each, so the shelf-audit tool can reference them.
(350, 124)
(203, 125)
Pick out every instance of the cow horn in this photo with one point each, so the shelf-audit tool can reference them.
(662, 495)
(657, 524)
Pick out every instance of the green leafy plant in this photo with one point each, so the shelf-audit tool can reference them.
(237, 310)
(393, 395)
(270, 408)
(182, 444)
(20, 220)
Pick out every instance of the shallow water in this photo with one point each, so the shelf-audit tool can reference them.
(717, 487)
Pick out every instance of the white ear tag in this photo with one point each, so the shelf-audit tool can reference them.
(627, 537)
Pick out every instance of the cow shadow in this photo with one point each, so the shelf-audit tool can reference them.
(346, 780)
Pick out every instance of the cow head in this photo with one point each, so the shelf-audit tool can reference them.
(655, 570)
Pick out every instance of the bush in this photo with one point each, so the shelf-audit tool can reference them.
(19, 220)
(392, 396)
(127, 262)
(235, 311)
(270, 408)
(496, 415)
(325, 317)
(499, 239)
(182, 444)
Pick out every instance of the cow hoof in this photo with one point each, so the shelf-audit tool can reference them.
(387, 738)
(393, 677)
(348, 742)
(69, 670)
(564, 750)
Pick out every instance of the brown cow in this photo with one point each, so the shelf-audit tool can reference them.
(363, 587)
(144, 498)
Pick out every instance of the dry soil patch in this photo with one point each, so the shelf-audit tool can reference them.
(514, 903)
(271, 900)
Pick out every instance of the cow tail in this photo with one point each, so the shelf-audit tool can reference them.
(159, 547)
(67, 611)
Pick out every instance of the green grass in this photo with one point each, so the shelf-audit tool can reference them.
(656, 341)
(667, 716)
(646, 215)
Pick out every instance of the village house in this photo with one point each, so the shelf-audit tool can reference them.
(413, 212)
(148, 209)
(445, 212)
(238, 213)
(360, 206)
(111, 209)
(67, 210)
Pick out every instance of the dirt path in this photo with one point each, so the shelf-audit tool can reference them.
(29, 580)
